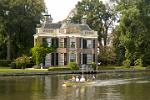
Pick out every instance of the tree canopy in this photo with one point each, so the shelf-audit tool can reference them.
(133, 31)
(100, 17)
(39, 52)
(18, 19)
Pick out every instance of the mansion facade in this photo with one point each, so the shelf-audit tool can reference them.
(75, 42)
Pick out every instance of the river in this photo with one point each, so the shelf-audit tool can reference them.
(126, 86)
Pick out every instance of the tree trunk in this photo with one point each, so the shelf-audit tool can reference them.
(105, 36)
(8, 47)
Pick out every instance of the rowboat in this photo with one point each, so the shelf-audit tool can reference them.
(75, 81)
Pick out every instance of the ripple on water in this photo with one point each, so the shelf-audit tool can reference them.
(117, 81)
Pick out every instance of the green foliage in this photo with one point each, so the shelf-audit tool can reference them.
(22, 62)
(39, 52)
(58, 69)
(18, 20)
(127, 63)
(120, 55)
(138, 62)
(5, 63)
(132, 33)
(36, 67)
(99, 17)
(107, 55)
(105, 68)
(94, 65)
(13, 65)
(73, 66)
(146, 59)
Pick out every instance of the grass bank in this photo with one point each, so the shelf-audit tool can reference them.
(110, 67)
(9, 70)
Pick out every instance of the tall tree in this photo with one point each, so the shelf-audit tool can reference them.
(99, 17)
(133, 29)
(18, 19)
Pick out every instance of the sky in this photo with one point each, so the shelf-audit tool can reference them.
(59, 9)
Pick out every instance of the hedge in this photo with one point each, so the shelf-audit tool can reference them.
(5, 63)
(58, 68)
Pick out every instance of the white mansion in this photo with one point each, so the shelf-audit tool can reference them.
(75, 42)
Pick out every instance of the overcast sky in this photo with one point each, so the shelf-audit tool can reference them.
(59, 9)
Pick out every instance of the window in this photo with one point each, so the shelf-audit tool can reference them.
(65, 58)
(93, 43)
(84, 43)
(72, 57)
(80, 43)
(55, 42)
(89, 43)
(44, 42)
(84, 59)
(54, 59)
(49, 42)
(93, 57)
(65, 42)
(61, 42)
(72, 44)
(61, 58)
(89, 58)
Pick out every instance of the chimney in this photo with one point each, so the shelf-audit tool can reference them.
(48, 18)
(84, 19)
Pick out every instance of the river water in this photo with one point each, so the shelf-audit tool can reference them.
(127, 86)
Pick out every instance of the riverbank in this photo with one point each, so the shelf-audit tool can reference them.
(45, 72)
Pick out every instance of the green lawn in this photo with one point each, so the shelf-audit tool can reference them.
(120, 67)
(8, 69)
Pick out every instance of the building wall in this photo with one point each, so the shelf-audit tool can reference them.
(75, 43)
(74, 49)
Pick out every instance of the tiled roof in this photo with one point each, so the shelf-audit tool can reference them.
(84, 27)
(81, 27)
(52, 26)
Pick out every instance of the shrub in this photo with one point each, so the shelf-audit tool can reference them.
(39, 52)
(22, 62)
(5, 63)
(105, 68)
(30, 65)
(138, 62)
(58, 68)
(94, 65)
(126, 63)
(73, 66)
(144, 64)
(36, 67)
(148, 67)
(13, 65)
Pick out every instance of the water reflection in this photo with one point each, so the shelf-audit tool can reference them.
(105, 87)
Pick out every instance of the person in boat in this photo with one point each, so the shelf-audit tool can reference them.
(73, 79)
(77, 79)
(93, 78)
(82, 79)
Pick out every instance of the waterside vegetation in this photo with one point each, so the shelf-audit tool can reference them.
(130, 38)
